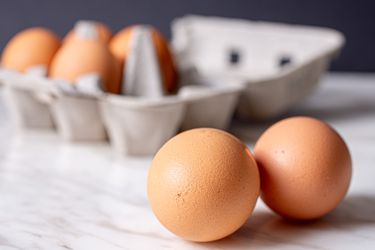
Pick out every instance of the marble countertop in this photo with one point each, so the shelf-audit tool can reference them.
(84, 197)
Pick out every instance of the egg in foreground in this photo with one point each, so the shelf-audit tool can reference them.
(305, 168)
(203, 184)
(29, 48)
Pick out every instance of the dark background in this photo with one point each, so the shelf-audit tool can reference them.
(356, 18)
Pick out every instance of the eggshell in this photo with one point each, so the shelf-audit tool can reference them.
(86, 56)
(104, 33)
(120, 43)
(120, 46)
(166, 61)
(30, 47)
(203, 184)
(305, 168)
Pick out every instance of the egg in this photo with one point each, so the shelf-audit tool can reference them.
(87, 56)
(120, 46)
(103, 31)
(120, 43)
(203, 184)
(305, 168)
(29, 48)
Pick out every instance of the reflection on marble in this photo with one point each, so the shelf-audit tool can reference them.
(84, 197)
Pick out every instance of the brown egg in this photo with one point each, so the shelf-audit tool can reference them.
(31, 47)
(120, 47)
(104, 32)
(86, 56)
(166, 61)
(305, 168)
(203, 184)
(120, 43)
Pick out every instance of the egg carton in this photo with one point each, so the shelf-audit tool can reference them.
(279, 64)
(140, 121)
(133, 125)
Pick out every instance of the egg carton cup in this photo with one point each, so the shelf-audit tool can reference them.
(209, 106)
(23, 96)
(78, 118)
(75, 109)
(37, 102)
(279, 64)
(140, 126)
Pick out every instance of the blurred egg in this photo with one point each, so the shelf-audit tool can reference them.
(103, 31)
(29, 48)
(120, 46)
(84, 56)
(120, 43)
(203, 184)
(305, 168)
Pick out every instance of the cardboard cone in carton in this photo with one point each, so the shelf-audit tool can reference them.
(90, 28)
(86, 29)
(142, 71)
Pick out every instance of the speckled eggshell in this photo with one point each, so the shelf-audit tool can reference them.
(29, 48)
(305, 168)
(203, 184)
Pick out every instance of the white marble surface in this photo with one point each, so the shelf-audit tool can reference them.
(83, 197)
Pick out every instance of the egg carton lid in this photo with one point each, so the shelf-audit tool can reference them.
(206, 46)
(279, 64)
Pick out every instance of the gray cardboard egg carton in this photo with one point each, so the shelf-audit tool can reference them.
(134, 125)
(278, 64)
(141, 120)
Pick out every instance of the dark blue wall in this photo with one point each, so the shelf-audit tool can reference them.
(356, 19)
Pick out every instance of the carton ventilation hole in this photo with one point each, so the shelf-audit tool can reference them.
(234, 57)
(285, 60)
